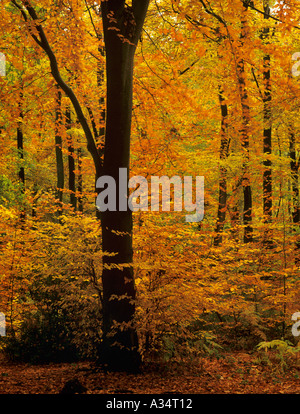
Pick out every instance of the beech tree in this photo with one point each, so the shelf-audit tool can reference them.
(122, 30)
(122, 26)
(20, 146)
(224, 151)
(58, 151)
(267, 132)
(71, 161)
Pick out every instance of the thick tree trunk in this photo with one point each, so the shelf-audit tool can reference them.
(122, 29)
(224, 152)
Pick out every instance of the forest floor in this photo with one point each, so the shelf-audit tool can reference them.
(234, 373)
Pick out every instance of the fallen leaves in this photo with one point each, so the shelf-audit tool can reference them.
(235, 373)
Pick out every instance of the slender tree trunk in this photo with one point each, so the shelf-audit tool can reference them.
(35, 199)
(247, 212)
(20, 141)
(101, 132)
(234, 210)
(100, 82)
(294, 164)
(224, 152)
(58, 153)
(71, 162)
(122, 29)
(79, 181)
(20, 146)
(267, 139)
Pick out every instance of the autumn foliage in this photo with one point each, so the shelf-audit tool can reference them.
(213, 96)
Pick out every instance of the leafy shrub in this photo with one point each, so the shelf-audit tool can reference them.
(278, 353)
(64, 320)
(42, 339)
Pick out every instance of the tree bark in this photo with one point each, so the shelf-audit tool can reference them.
(20, 146)
(34, 200)
(100, 81)
(122, 29)
(247, 211)
(267, 138)
(224, 152)
(294, 164)
(71, 162)
(80, 180)
(58, 153)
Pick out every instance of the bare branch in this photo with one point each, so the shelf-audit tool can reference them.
(92, 20)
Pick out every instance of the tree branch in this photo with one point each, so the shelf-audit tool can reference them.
(265, 13)
(25, 17)
(212, 13)
(188, 68)
(44, 44)
(257, 84)
(92, 20)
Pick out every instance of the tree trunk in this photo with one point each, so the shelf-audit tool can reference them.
(294, 164)
(34, 200)
(101, 132)
(71, 162)
(267, 139)
(247, 212)
(122, 29)
(20, 146)
(58, 153)
(224, 152)
(234, 210)
(100, 81)
(79, 182)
